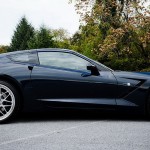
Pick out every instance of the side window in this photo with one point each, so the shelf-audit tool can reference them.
(63, 60)
(22, 57)
(25, 58)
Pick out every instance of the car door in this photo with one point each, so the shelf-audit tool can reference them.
(61, 79)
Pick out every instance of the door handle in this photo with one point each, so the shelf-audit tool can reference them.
(30, 68)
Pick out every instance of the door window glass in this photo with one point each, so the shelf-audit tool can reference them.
(63, 60)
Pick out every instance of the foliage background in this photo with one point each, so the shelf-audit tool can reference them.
(113, 32)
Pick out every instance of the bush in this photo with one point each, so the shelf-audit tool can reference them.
(128, 64)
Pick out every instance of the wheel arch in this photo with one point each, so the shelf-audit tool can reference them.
(16, 85)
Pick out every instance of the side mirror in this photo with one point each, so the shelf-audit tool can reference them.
(94, 70)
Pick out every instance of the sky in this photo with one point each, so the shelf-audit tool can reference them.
(51, 13)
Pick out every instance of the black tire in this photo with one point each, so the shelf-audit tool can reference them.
(9, 101)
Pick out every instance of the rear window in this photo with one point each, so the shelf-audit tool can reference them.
(22, 57)
(26, 57)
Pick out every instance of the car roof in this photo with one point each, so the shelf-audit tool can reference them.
(54, 49)
(33, 50)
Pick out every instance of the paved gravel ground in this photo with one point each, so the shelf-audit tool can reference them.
(75, 131)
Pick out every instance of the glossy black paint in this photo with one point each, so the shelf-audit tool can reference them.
(45, 87)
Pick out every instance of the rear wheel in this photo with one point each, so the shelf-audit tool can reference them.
(9, 101)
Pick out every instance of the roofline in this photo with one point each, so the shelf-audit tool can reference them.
(54, 49)
(38, 50)
(45, 49)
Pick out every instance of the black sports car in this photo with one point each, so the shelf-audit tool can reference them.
(58, 78)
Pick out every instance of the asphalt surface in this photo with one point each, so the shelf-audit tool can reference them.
(75, 131)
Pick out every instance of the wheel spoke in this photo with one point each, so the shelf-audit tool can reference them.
(0, 93)
(1, 112)
(4, 109)
(6, 101)
(6, 105)
(3, 93)
(6, 97)
(0, 90)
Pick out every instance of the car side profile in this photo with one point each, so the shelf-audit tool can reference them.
(59, 78)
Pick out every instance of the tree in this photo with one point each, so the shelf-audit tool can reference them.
(41, 39)
(86, 40)
(59, 34)
(23, 33)
(122, 32)
(61, 38)
(3, 49)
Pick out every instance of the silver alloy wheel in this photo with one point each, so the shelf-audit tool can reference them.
(7, 102)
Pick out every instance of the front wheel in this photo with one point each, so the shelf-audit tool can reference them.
(9, 101)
